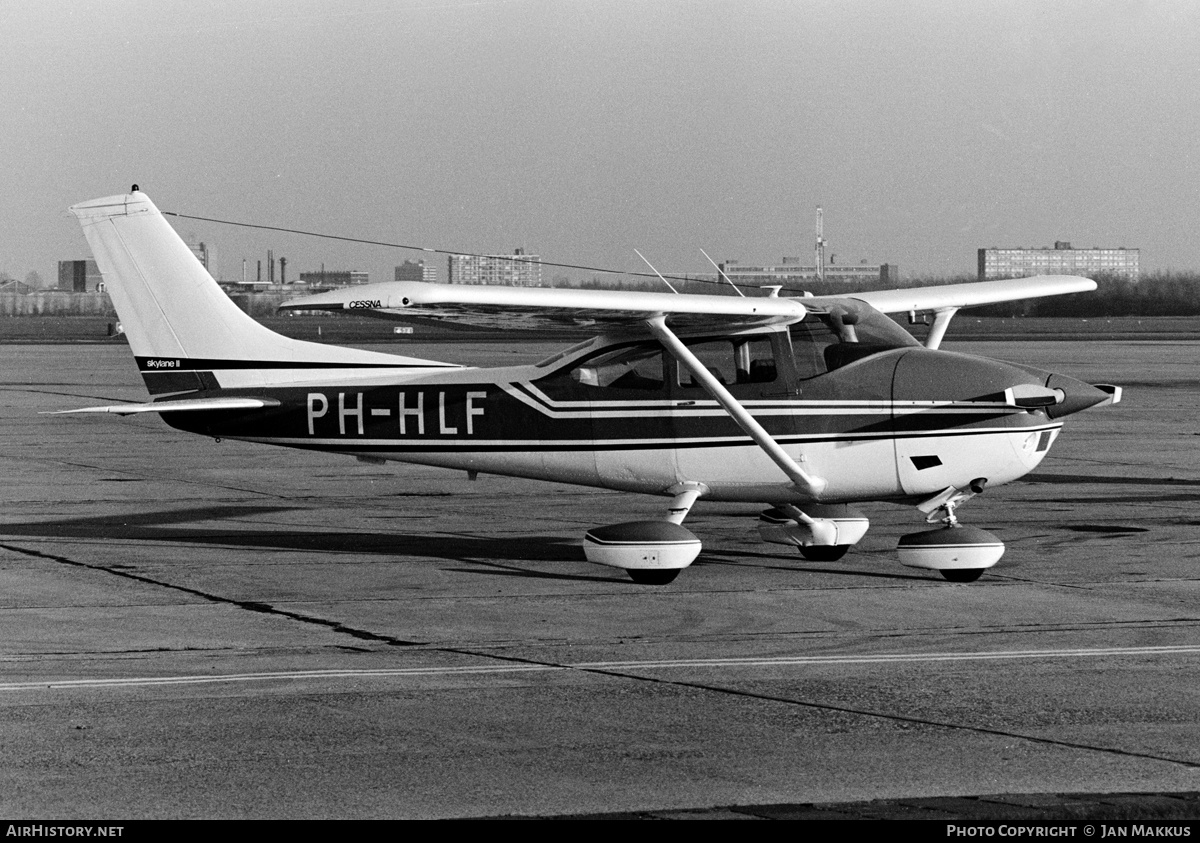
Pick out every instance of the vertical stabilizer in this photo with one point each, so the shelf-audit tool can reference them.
(184, 331)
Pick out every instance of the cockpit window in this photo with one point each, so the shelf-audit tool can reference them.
(811, 339)
(850, 331)
(566, 352)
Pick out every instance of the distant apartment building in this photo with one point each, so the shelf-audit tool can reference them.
(1060, 260)
(416, 271)
(515, 270)
(80, 277)
(791, 271)
(334, 278)
(204, 254)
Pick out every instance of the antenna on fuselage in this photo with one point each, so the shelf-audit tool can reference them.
(656, 272)
(723, 275)
(820, 250)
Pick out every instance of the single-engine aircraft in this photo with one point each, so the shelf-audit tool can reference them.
(808, 405)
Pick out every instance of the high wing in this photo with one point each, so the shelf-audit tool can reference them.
(526, 307)
(531, 307)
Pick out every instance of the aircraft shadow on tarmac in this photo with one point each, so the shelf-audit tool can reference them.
(483, 554)
(174, 526)
(1160, 488)
(797, 565)
(1081, 479)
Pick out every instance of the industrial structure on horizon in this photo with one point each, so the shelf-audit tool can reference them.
(792, 271)
(1060, 260)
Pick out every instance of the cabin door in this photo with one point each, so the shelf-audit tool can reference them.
(757, 371)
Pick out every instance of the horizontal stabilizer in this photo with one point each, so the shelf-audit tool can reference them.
(184, 405)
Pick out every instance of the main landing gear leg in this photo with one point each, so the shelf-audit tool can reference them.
(959, 552)
(822, 533)
(651, 552)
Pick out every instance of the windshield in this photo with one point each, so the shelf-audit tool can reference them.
(849, 331)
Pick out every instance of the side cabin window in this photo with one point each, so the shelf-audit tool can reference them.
(825, 342)
(733, 361)
(636, 369)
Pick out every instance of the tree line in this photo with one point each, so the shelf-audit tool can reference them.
(1155, 294)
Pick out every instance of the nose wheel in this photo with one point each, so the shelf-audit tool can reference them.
(960, 553)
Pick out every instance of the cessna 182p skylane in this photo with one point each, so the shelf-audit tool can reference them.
(805, 404)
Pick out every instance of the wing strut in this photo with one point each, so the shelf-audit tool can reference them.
(803, 481)
(941, 321)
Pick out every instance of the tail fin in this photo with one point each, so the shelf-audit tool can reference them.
(186, 334)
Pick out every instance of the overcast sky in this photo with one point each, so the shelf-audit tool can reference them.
(584, 129)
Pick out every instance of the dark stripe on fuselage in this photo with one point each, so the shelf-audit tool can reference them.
(192, 364)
